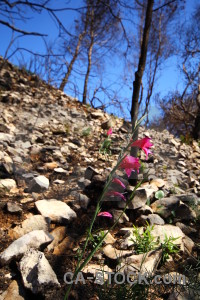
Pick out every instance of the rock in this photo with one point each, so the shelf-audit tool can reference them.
(83, 201)
(145, 210)
(116, 213)
(37, 274)
(93, 269)
(34, 239)
(160, 231)
(189, 198)
(187, 230)
(144, 263)
(158, 182)
(56, 210)
(67, 243)
(50, 165)
(188, 244)
(60, 170)
(6, 137)
(58, 234)
(38, 184)
(90, 172)
(97, 114)
(165, 206)
(13, 208)
(83, 183)
(138, 201)
(7, 184)
(114, 253)
(151, 219)
(107, 124)
(36, 222)
(58, 181)
(109, 239)
(14, 291)
(6, 170)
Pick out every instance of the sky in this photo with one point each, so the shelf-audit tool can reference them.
(169, 80)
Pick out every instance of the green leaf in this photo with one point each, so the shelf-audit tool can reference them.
(159, 195)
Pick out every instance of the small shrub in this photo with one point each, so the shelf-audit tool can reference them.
(144, 242)
(168, 247)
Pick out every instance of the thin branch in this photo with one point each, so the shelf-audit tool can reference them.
(20, 30)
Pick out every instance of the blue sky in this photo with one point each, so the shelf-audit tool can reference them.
(169, 79)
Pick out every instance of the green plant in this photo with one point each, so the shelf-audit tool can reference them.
(87, 131)
(144, 242)
(186, 139)
(67, 128)
(148, 202)
(159, 195)
(129, 164)
(105, 147)
(142, 167)
(168, 247)
(94, 239)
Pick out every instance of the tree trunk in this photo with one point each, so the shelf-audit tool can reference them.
(65, 79)
(87, 73)
(138, 77)
(141, 64)
(196, 129)
(89, 58)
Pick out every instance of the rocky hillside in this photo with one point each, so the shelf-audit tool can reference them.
(51, 175)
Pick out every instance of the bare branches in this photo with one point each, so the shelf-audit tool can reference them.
(165, 4)
(20, 30)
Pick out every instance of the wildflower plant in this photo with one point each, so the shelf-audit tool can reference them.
(144, 242)
(105, 146)
(128, 164)
(168, 247)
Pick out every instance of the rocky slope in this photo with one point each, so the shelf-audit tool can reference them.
(51, 175)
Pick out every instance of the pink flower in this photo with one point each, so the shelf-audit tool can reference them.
(117, 194)
(118, 181)
(109, 132)
(104, 214)
(143, 144)
(130, 164)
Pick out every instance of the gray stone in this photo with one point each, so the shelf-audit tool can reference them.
(56, 210)
(185, 228)
(34, 239)
(114, 253)
(83, 201)
(138, 201)
(59, 234)
(6, 137)
(36, 222)
(13, 208)
(93, 269)
(116, 214)
(7, 184)
(37, 274)
(165, 206)
(107, 124)
(83, 183)
(38, 184)
(143, 263)
(90, 172)
(151, 219)
(14, 291)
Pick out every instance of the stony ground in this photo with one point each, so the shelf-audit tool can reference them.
(51, 175)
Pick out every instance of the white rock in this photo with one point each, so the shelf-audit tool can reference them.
(7, 183)
(37, 274)
(38, 184)
(36, 222)
(34, 239)
(56, 210)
